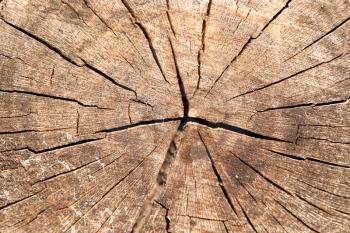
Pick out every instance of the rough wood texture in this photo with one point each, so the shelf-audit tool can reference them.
(174, 116)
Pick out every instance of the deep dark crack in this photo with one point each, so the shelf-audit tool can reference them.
(145, 32)
(175, 143)
(202, 48)
(181, 88)
(218, 176)
(79, 62)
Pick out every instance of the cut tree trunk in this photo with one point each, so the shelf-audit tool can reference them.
(174, 116)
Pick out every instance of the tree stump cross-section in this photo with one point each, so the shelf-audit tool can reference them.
(202, 116)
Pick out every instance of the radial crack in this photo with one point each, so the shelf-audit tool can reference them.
(303, 105)
(52, 75)
(250, 39)
(143, 103)
(73, 10)
(181, 85)
(320, 38)
(35, 130)
(323, 139)
(279, 223)
(88, 5)
(20, 200)
(312, 204)
(63, 146)
(285, 155)
(78, 120)
(333, 102)
(327, 163)
(166, 217)
(286, 5)
(169, 18)
(340, 81)
(279, 187)
(36, 216)
(286, 107)
(246, 189)
(202, 48)
(307, 159)
(232, 128)
(146, 35)
(107, 164)
(299, 219)
(323, 190)
(96, 70)
(42, 41)
(226, 229)
(246, 216)
(229, 65)
(286, 78)
(140, 123)
(55, 97)
(81, 63)
(218, 176)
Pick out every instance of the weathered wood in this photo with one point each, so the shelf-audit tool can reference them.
(174, 116)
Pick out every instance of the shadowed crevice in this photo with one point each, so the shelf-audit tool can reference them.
(55, 97)
(20, 200)
(321, 189)
(42, 41)
(80, 63)
(181, 87)
(306, 158)
(202, 48)
(63, 146)
(320, 38)
(248, 219)
(91, 67)
(312, 204)
(166, 217)
(146, 35)
(232, 128)
(286, 78)
(141, 123)
(169, 18)
(218, 176)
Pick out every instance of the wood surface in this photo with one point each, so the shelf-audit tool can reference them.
(203, 116)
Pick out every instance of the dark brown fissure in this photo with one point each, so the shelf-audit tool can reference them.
(183, 120)
(66, 58)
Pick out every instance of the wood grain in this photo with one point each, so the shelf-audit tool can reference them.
(174, 116)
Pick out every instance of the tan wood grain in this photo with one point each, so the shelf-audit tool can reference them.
(174, 116)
